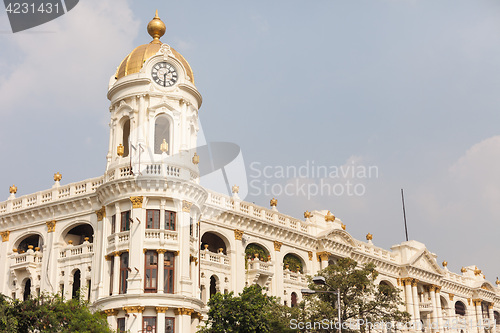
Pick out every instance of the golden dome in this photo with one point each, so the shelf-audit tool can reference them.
(136, 59)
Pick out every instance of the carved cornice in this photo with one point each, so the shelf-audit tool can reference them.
(477, 301)
(5, 235)
(133, 309)
(51, 226)
(277, 245)
(414, 282)
(451, 296)
(238, 234)
(183, 311)
(186, 206)
(137, 201)
(161, 251)
(101, 213)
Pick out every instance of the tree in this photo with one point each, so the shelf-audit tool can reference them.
(250, 312)
(50, 313)
(361, 299)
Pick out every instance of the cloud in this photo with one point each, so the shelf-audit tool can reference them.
(60, 68)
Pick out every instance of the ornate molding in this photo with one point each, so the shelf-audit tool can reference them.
(186, 206)
(161, 251)
(238, 234)
(477, 301)
(137, 201)
(51, 226)
(111, 312)
(133, 309)
(323, 256)
(414, 282)
(277, 246)
(161, 309)
(450, 296)
(5, 235)
(101, 213)
(183, 311)
(310, 254)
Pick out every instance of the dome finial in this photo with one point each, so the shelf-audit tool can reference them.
(156, 28)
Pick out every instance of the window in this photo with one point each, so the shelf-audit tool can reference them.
(150, 271)
(121, 325)
(162, 132)
(168, 269)
(191, 226)
(113, 224)
(149, 324)
(125, 137)
(169, 220)
(460, 308)
(125, 221)
(123, 272)
(152, 219)
(169, 325)
(111, 273)
(294, 300)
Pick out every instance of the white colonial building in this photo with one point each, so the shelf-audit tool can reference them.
(146, 244)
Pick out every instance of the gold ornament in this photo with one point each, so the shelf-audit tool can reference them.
(369, 236)
(329, 217)
(156, 28)
(120, 150)
(274, 202)
(235, 189)
(164, 146)
(307, 214)
(13, 189)
(196, 159)
(57, 177)
(445, 263)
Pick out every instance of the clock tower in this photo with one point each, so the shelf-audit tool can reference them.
(151, 195)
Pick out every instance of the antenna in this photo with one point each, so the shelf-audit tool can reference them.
(404, 213)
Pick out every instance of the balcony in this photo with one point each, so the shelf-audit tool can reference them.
(294, 278)
(83, 250)
(259, 272)
(29, 259)
(219, 260)
(425, 306)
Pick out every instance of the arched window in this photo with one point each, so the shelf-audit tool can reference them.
(213, 286)
(294, 300)
(125, 137)
(497, 317)
(76, 284)
(460, 308)
(253, 251)
(293, 263)
(162, 132)
(214, 242)
(33, 240)
(27, 290)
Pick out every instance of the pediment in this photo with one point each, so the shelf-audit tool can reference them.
(424, 261)
(340, 236)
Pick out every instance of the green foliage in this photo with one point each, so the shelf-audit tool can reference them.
(252, 249)
(293, 263)
(250, 312)
(50, 313)
(361, 298)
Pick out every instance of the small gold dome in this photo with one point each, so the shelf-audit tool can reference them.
(134, 61)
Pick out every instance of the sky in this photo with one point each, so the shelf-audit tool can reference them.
(405, 88)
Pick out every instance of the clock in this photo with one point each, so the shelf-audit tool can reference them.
(164, 74)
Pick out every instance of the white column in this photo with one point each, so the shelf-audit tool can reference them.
(161, 271)
(49, 261)
(409, 298)
(182, 260)
(134, 321)
(116, 273)
(479, 315)
(135, 283)
(278, 270)
(324, 260)
(416, 308)
(439, 309)
(238, 260)
(112, 320)
(160, 318)
(434, 316)
(99, 264)
(491, 315)
(4, 260)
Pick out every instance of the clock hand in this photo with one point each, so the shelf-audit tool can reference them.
(165, 79)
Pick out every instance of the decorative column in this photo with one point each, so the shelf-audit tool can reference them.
(183, 319)
(439, 309)
(183, 263)
(49, 270)
(100, 245)
(134, 320)
(323, 259)
(238, 260)
(162, 221)
(112, 320)
(116, 273)
(136, 241)
(278, 269)
(160, 315)
(434, 315)
(479, 315)
(4, 259)
(409, 297)
(416, 308)
(491, 315)
(161, 271)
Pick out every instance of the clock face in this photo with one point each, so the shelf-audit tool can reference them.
(164, 74)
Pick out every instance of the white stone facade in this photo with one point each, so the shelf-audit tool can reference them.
(149, 247)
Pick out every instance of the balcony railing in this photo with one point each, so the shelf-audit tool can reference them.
(70, 250)
(219, 258)
(28, 259)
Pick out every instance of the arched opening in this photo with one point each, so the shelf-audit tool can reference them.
(162, 132)
(293, 263)
(255, 251)
(79, 234)
(384, 287)
(294, 300)
(497, 317)
(126, 137)
(34, 240)
(214, 242)
(460, 308)
(213, 285)
(76, 284)
(27, 290)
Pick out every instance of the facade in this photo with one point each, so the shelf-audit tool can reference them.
(148, 245)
